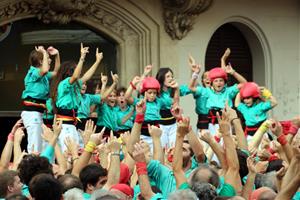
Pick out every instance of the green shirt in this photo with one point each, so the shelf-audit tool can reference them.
(165, 96)
(36, 86)
(256, 113)
(152, 108)
(107, 116)
(164, 177)
(218, 99)
(121, 114)
(85, 104)
(86, 196)
(201, 97)
(225, 189)
(49, 111)
(68, 95)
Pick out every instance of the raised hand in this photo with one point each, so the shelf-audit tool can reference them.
(104, 79)
(136, 80)
(99, 55)
(177, 111)
(52, 51)
(251, 164)
(83, 51)
(97, 137)
(114, 77)
(173, 84)
(40, 49)
(47, 133)
(224, 122)
(17, 125)
(139, 153)
(228, 69)
(183, 127)
(141, 106)
(154, 131)
(231, 112)
(276, 128)
(57, 126)
(226, 53)
(147, 70)
(19, 135)
(113, 145)
(205, 136)
(125, 137)
(71, 145)
(90, 129)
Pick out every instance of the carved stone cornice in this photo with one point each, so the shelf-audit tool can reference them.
(56, 11)
(179, 15)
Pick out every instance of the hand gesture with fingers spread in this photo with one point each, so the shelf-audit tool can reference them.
(139, 153)
(205, 136)
(40, 49)
(276, 128)
(96, 138)
(113, 144)
(224, 121)
(136, 80)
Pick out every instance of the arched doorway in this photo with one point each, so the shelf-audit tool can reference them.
(228, 36)
(25, 34)
(255, 43)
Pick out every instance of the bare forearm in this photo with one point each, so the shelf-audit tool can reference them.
(230, 152)
(57, 63)
(81, 163)
(247, 189)
(241, 139)
(220, 153)
(6, 154)
(145, 186)
(177, 162)
(158, 150)
(45, 66)
(239, 77)
(77, 71)
(176, 96)
(61, 159)
(196, 146)
(134, 137)
(113, 174)
(128, 94)
(109, 90)
(127, 117)
(88, 75)
(289, 190)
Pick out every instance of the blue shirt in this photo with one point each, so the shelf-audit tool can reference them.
(36, 86)
(256, 113)
(85, 104)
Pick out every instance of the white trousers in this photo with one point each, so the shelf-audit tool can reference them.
(32, 121)
(68, 130)
(168, 136)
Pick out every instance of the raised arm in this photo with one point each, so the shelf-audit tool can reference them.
(132, 86)
(155, 133)
(128, 116)
(247, 189)
(196, 68)
(54, 52)
(232, 175)
(88, 75)
(94, 141)
(8, 148)
(141, 169)
(256, 140)
(183, 128)
(115, 79)
(77, 71)
(237, 76)
(237, 100)
(113, 175)
(146, 72)
(137, 126)
(276, 129)
(45, 64)
(18, 136)
(224, 58)
(267, 95)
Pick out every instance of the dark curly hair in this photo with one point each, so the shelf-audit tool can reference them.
(204, 191)
(32, 165)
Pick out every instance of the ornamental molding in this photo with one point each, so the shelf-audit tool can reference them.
(179, 15)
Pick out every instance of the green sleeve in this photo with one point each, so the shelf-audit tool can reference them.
(184, 186)
(48, 153)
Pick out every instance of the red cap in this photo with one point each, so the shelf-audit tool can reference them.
(217, 72)
(124, 188)
(250, 89)
(124, 173)
(150, 83)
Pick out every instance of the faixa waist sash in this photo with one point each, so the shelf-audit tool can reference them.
(32, 104)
